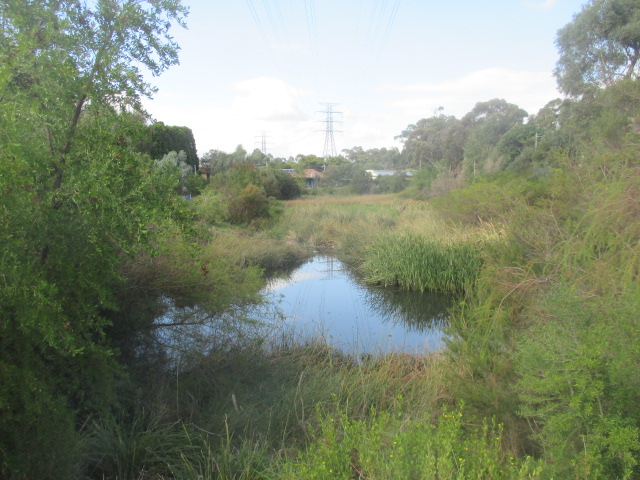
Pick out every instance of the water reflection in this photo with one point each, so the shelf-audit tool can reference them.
(418, 311)
(321, 299)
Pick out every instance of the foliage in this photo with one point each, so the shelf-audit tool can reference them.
(217, 161)
(374, 158)
(578, 378)
(279, 184)
(163, 139)
(360, 181)
(251, 203)
(211, 208)
(599, 47)
(486, 123)
(437, 142)
(77, 196)
(175, 164)
(418, 263)
(132, 448)
(390, 183)
(388, 446)
(421, 182)
(258, 158)
(310, 161)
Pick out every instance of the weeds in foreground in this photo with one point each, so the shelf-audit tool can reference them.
(390, 446)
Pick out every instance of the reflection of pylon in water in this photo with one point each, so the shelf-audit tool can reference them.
(329, 140)
(332, 268)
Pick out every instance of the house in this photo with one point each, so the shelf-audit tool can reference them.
(388, 173)
(312, 178)
(205, 171)
(381, 173)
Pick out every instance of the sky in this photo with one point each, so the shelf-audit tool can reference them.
(264, 72)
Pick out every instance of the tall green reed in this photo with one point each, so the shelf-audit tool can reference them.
(415, 262)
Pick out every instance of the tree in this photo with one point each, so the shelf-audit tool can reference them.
(279, 184)
(239, 155)
(600, 46)
(258, 158)
(163, 139)
(216, 160)
(175, 165)
(360, 181)
(484, 126)
(311, 161)
(434, 141)
(355, 155)
(76, 197)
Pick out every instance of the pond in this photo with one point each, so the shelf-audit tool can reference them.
(323, 300)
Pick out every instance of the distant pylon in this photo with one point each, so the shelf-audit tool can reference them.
(329, 140)
(263, 142)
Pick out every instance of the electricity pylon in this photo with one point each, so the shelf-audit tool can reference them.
(329, 141)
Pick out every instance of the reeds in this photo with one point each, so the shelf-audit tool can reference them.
(415, 262)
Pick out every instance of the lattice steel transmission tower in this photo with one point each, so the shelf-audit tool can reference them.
(329, 141)
(263, 142)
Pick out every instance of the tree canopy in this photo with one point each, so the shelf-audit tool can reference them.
(76, 196)
(163, 139)
(600, 46)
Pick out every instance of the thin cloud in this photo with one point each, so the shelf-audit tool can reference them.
(269, 99)
(529, 90)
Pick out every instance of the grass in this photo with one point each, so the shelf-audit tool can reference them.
(415, 262)
(392, 241)
(288, 409)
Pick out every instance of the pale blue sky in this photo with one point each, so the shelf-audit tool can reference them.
(253, 66)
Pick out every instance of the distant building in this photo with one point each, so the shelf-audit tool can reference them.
(381, 173)
(205, 171)
(312, 177)
(388, 173)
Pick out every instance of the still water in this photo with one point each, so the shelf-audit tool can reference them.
(323, 300)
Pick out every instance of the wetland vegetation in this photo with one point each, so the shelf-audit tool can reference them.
(124, 353)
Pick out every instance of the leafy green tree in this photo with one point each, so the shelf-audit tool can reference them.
(310, 161)
(485, 125)
(175, 164)
(390, 183)
(258, 158)
(517, 143)
(76, 196)
(216, 160)
(355, 155)
(279, 184)
(239, 155)
(163, 139)
(360, 181)
(251, 203)
(338, 175)
(422, 180)
(599, 47)
(435, 141)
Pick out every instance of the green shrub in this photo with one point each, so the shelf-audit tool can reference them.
(250, 204)
(388, 446)
(578, 368)
(211, 207)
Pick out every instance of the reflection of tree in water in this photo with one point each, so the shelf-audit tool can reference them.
(419, 311)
